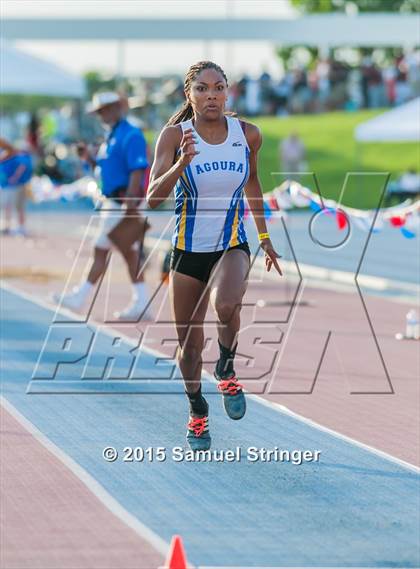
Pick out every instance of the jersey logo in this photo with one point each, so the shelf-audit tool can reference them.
(231, 166)
(237, 144)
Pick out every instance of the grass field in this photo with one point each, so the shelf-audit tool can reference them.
(333, 152)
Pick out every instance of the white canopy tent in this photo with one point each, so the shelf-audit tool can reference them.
(401, 124)
(24, 74)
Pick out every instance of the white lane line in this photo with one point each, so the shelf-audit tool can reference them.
(267, 403)
(99, 491)
(319, 427)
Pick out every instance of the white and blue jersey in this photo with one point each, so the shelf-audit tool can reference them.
(123, 151)
(209, 203)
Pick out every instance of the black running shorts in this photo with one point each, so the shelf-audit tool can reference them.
(199, 265)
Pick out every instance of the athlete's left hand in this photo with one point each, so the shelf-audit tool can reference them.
(271, 256)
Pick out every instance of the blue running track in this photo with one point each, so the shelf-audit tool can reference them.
(352, 508)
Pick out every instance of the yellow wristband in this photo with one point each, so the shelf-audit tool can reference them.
(262, 236)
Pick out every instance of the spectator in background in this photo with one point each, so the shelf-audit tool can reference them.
(412, 61)
(299, 91)
(375, 87)
(253, 97)
(282, 92)
(15, 174)
(322, 68)
(241, 89)
(49, 126)
(33, 136)
(402, 86)
(267, 100)
(292, 154)
(389, 75)
(338, 74)
(123, 162)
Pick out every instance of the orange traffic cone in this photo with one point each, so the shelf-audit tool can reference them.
(176, 557)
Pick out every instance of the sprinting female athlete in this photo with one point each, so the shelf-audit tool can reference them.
(211, 159)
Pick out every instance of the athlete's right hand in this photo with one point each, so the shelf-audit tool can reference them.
(187, 147)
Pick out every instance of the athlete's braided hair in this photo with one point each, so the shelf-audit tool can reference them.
(186, 111)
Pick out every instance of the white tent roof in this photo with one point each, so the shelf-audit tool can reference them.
(22, 73)
(402, 124)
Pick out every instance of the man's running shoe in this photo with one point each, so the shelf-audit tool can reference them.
(233, 397)
(198, 435)
(74, 300)
(134, 311)
(21, 231)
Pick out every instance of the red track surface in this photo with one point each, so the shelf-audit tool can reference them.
(39, 487)
(50, 519)
(389, 422)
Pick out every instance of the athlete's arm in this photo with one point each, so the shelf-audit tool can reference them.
(165, 173)
(135, 182)
(253, 187)
(254, 195)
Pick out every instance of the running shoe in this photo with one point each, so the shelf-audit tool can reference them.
(74, 300)
(134, 311)
(198, 435)
(233, 397)
(20, 231)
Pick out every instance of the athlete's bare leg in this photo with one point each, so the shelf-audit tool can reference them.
(8, 217)
(228, 284)
(21, 215)
(132, 258)
(100, 259)
(189, 301)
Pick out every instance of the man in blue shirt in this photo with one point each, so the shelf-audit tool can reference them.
(15, 173)
(123, 163)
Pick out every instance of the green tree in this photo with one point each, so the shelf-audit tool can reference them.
(287, 54)
(10, 104)
(319, 6)
(95, 82)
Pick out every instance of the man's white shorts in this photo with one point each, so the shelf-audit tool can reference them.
(12, 197)
(110, 215)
